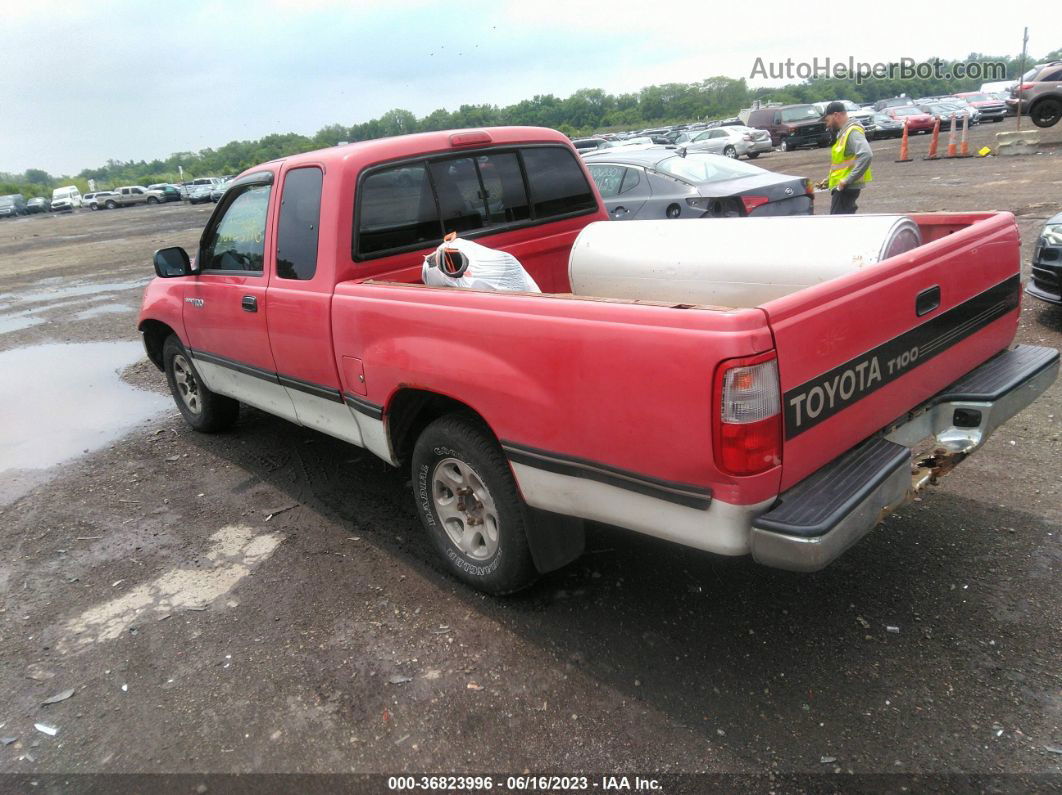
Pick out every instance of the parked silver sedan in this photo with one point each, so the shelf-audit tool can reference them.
(664, 182)
(731, 141)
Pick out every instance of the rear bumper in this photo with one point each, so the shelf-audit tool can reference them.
(829, 511)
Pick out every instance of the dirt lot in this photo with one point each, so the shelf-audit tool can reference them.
(264, 600)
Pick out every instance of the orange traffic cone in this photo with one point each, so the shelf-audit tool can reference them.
(951, 137)
(933, 143)
(964, 147)
(903, 144)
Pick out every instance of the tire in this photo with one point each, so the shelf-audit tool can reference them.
(203, 410)
(731, 152)
(152, 200)
(752, 155)
(1046, 112)
(784, 146)
(490, 552)
(110, 204)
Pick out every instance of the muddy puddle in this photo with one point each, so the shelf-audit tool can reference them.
(40, 302)
(61, 400)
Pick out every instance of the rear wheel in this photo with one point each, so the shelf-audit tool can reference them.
(152, 200)
(205, 411)
(470, 507)
(110, 204)
(730, 151)
(1046, 112)
(784, 145)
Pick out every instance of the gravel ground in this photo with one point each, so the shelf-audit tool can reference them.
(264, 600)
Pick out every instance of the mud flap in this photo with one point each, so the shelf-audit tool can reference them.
(555, 540)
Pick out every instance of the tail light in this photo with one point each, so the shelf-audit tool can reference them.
(746, 137)
(748, 426)
(809, 187)
(752, 202)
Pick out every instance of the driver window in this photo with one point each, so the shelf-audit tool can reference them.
(237, 242)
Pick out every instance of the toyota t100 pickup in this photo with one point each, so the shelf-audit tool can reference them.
(784, 430)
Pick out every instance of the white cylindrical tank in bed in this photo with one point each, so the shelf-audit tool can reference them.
(736, 262)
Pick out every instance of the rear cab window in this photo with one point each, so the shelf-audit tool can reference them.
(411, 205)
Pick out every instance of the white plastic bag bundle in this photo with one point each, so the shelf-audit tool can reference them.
(462, 263)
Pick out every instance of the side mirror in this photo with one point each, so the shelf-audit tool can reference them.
(171, 262)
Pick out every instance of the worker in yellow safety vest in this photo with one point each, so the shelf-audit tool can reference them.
(850, 158)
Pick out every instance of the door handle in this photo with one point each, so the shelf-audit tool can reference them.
(927, 301)
(249, 303)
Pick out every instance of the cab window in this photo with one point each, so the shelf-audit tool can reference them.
(237, 240)
(397, 210)
(558, 186)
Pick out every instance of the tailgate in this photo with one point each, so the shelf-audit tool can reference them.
(858, 352)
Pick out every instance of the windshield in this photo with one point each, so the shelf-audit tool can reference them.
(978, 98)
(61, 193)
(849, 105)
(907, 111)
(699, 168)
(6, 201)
(800, 113)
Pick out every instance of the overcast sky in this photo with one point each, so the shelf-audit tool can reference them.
(88, 80)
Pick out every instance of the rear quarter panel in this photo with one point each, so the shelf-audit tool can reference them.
(625, 385)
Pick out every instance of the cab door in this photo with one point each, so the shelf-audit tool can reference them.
(225, 305)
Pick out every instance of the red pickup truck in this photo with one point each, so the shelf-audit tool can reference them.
(784, 431)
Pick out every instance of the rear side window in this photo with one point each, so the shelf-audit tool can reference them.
(300, 218)
(411, 206)
(558, 186)
(398, 211)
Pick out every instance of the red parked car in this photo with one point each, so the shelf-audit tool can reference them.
(918, 121)
(781, 427)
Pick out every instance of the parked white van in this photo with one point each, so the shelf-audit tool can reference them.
(66, 198)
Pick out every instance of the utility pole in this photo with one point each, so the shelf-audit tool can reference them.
(1021, 73)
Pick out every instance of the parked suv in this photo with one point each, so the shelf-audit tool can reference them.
(12, 205)
(791, 126)
(1039, 93)
(1046, 282)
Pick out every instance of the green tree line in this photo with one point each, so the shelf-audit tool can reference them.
(586, 111)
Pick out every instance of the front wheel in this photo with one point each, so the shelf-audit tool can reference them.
(205, 411)
(469, 505)
(753, 155)
(110, 205)
(784, 145)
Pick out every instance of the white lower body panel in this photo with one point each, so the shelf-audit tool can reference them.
(722, 528)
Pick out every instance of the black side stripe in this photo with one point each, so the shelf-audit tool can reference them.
(363, 406)
(310, 388)
(560, 464)
(232, 364)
